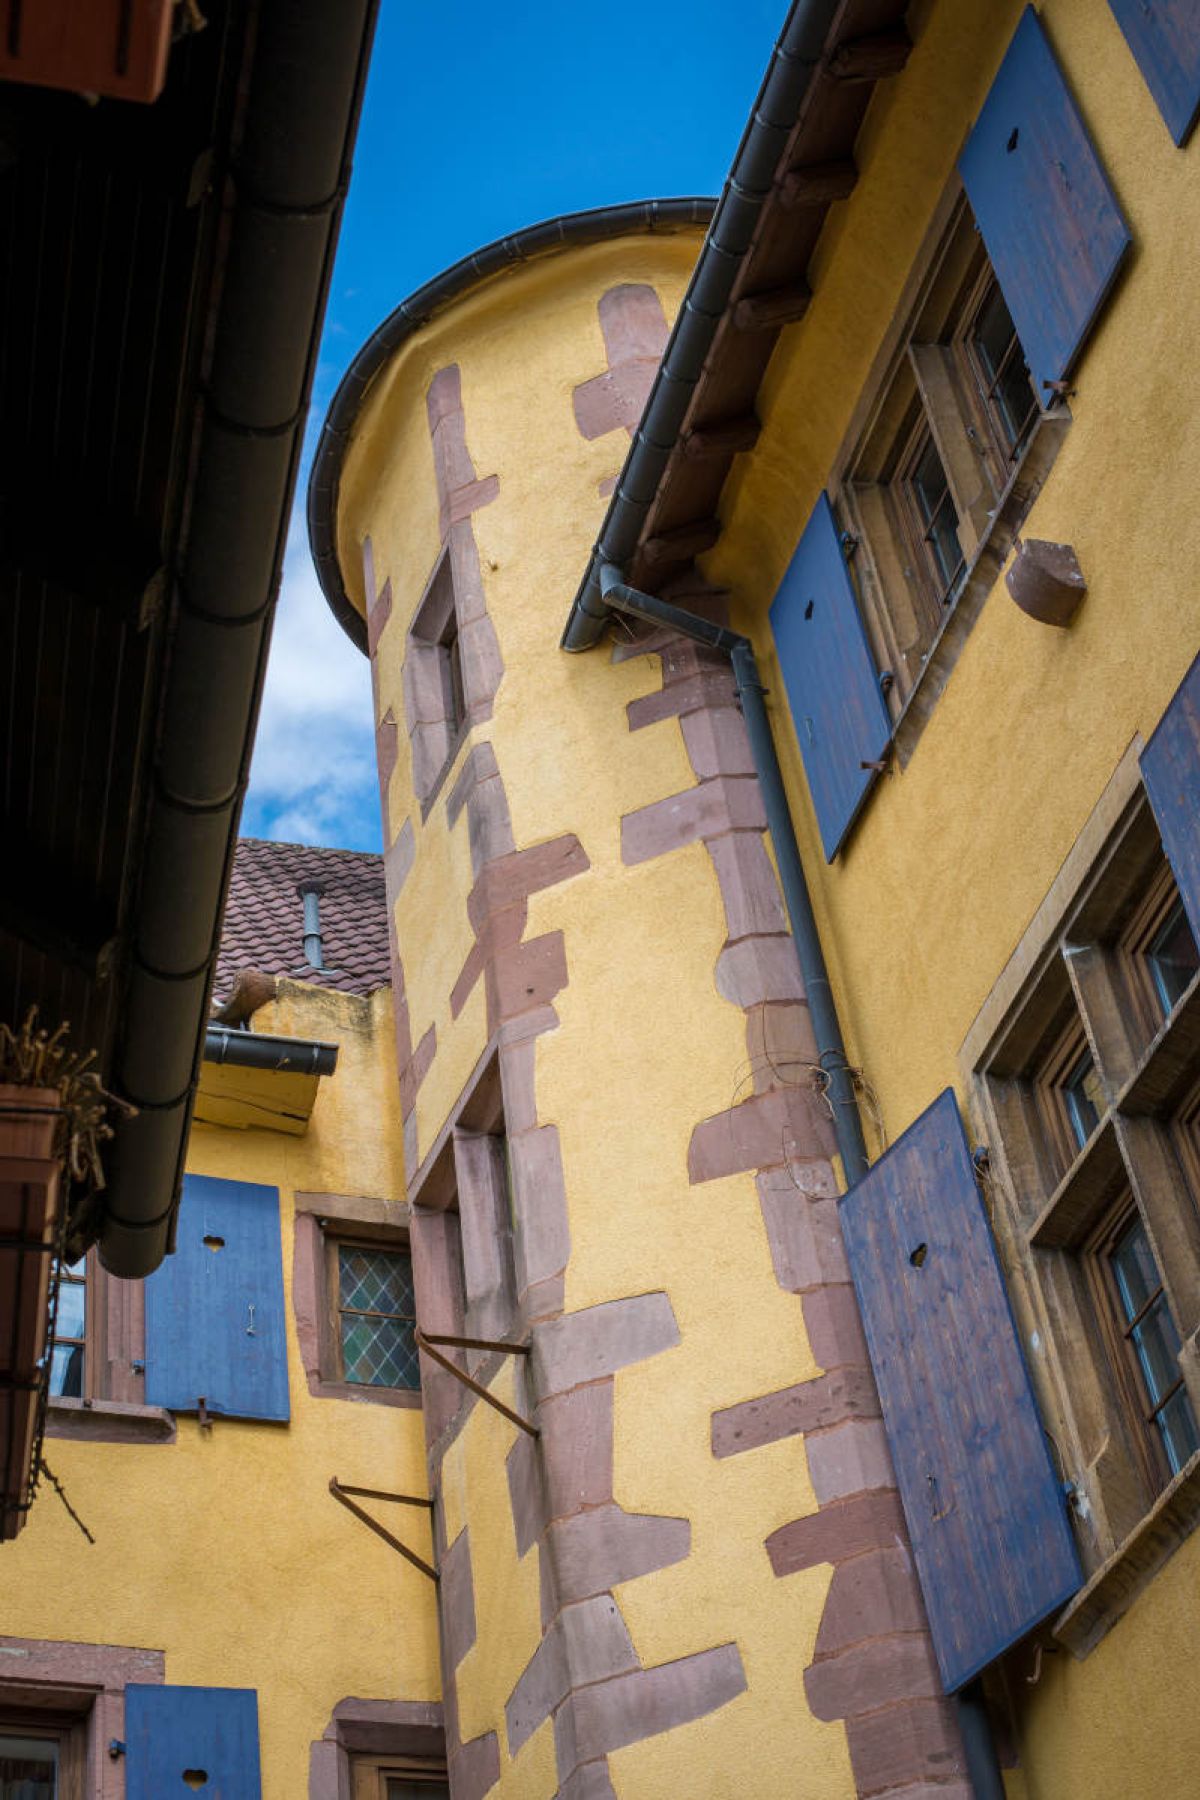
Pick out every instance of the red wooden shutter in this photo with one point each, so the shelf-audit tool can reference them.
(1051, 223)
(832, 684)
(1164, 36)
(985, 1512)
(182, 1739)
(1170, 766)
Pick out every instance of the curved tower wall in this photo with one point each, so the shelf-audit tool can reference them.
(614, 1151)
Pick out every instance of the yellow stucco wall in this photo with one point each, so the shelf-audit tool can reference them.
(645, 1048)
(224, 1549)
(954, 853)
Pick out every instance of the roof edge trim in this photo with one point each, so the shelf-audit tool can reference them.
(576, 230)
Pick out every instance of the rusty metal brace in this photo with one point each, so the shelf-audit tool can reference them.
(343, 1495)
(426, 1344)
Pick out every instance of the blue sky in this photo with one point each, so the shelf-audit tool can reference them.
(479, 120)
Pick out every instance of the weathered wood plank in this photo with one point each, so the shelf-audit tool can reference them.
(1049, 218)
(985, 1513)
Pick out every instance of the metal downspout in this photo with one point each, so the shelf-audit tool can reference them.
(983, 1768)
(831, 1051)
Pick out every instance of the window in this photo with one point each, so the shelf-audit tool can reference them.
(434, 688)
(1130, 1289)
(376, 1315)
(1089, 1083)
(922, 490)
(68, 1354)
(352, 1296)
(43, 1756)
(28, 1768)
(399, 1778)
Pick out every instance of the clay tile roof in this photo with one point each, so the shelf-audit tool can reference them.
(264, 917)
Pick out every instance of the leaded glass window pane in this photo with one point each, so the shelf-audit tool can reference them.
(377, 1316)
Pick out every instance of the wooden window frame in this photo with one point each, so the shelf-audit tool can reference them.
(370, 1774)
(68, 1729)
(1096, 1252)
(1068, 986)
(927, 362)
(322, 1220)
(334, 1238)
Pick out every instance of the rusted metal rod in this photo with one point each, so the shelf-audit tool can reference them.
(462, 1343)
(343, 1495)
(379, 1494)
(476, 1387)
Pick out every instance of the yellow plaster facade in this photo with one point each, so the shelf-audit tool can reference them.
(643, 1045)
(223, 1548)
(954, 852)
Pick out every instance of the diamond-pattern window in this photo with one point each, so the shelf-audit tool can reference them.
(377, 1317)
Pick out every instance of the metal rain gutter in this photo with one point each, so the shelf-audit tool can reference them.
(794, 62)
(288, 187)
(257, 1050)
(568, 230)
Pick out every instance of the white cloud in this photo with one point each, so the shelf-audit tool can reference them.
(313, 777)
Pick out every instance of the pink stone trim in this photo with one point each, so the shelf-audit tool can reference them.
(635, 336)
(310, 1303)
(87, 1678)
(874, 1661)
(372, 1728)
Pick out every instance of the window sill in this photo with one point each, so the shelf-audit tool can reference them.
(321, 1389)
(1168, 1068)
(1087, 1185)
(109, 1422)
(1115, 1586)
(1025, 483)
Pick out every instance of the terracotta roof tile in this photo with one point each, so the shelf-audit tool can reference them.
(264, 917)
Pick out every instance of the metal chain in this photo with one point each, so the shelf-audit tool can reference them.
(57, 1485)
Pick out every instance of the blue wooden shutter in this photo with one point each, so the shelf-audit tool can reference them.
(985, 1512)
(214, 1311)
(1164, 36)
(1171, 771)
(1051, 223)
(832, 684)
(208, 1731)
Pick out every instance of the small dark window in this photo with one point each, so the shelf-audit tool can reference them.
(68, 1352)
(1151, 1343)
(927, 490)
(29, 1767)
(452, 676)
(377, 1317)
(1001, 370)
(1172, 958)
(1083, 1099)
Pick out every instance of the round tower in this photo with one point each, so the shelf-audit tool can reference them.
(598, 1008)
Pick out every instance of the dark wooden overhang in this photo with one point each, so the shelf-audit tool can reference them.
(753, 278)
(164, 276)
